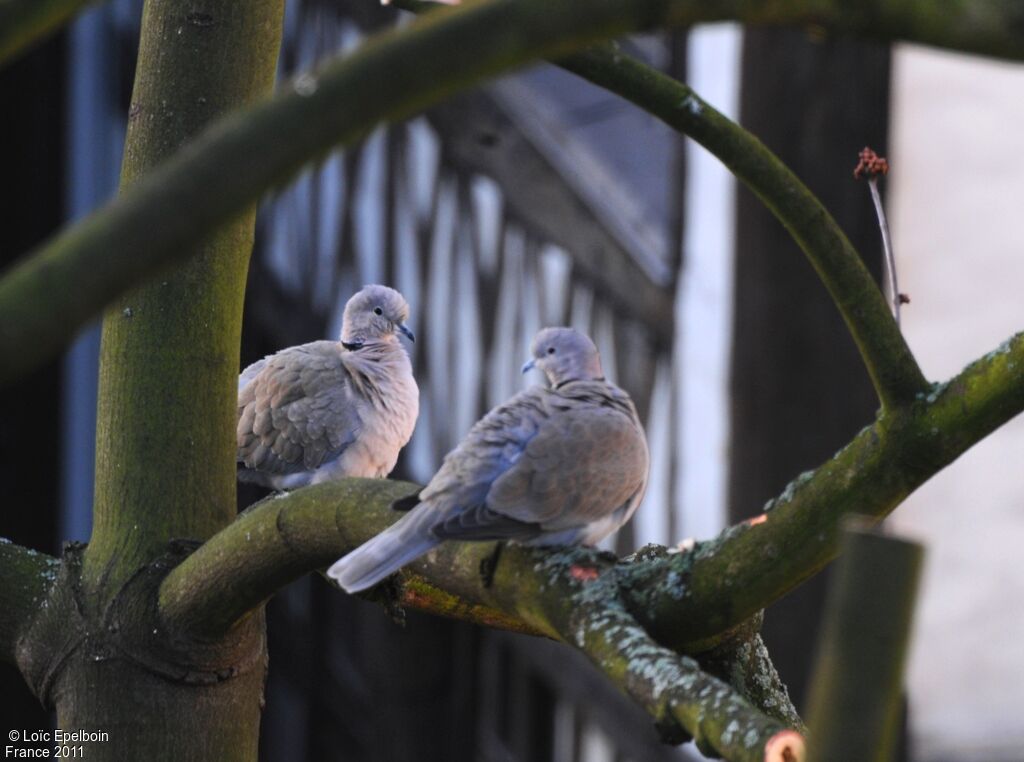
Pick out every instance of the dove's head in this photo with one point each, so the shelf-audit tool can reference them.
(565, 354)
(374, 314)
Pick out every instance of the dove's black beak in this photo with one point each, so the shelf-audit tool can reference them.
(404, 329)
(529, 365)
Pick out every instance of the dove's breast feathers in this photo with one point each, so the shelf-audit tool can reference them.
(315, 412)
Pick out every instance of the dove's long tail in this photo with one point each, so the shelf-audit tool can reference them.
(401, 543)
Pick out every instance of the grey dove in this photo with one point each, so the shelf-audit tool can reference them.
(330, 409)
(552, 466)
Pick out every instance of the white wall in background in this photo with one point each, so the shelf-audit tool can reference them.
(956, 195)
(705, 307)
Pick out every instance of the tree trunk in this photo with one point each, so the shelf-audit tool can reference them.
(165, 437)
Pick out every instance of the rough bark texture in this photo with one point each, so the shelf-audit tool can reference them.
(97, 650)
(27, 578)
(797, 387)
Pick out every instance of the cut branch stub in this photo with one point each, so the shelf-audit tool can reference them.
(857, 680)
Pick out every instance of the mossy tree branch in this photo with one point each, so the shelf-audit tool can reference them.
(987, 27)
(751, 564)
(685, 600)
(390, 77)
(25, 580)
(671, 688)
(572, 596)
(742, 660)
(668, 602)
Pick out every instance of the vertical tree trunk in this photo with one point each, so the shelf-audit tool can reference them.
(165, 445)
(164, 441)
(799, 388)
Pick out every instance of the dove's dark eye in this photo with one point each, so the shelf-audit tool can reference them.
(378, 311)
(551, 350)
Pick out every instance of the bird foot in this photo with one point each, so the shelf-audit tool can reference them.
(489, 565)
(390, 592)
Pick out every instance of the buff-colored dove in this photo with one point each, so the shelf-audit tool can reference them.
(552, 466)
(330, 409)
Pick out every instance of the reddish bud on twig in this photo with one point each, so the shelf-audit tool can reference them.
(870, 164)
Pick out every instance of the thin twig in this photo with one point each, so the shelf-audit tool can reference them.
(871, 165)
(890, 261)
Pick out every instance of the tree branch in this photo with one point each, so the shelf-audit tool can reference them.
(168, 212)
(165, 455)
(890, 363)
(672, 688)
(726, 580)
(392, 76)
(25, 22)
(25, 580)
(571, 596)
(742, 661)
(987, 27)
(893, 370)
(686, 601)
(286, 536)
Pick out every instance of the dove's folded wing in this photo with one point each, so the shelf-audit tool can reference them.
(588, 460)
(298, 411)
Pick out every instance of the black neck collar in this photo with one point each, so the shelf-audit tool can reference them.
(572, 380)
